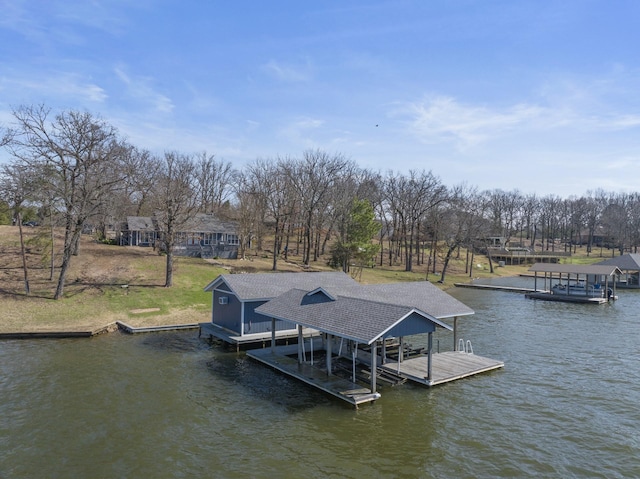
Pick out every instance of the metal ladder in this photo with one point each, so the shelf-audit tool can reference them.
(465, 347)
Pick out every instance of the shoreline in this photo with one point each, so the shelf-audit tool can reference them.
(109, 328)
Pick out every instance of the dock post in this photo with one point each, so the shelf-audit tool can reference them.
(430, 355)
(374, 365)
(300, 344)
(455, 333)
(273, 335)
(328, 350)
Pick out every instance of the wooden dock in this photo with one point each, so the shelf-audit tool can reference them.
(313, 375)
(511, 289)
(446, 367)
(210, 331)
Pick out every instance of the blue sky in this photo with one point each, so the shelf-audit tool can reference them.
(539, 96)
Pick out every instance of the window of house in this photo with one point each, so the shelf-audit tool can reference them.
(232, 239)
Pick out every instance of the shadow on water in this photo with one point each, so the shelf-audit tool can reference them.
(264, 384)
(236, 370)
(174, 342)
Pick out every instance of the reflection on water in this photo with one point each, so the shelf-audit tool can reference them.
(170, 405)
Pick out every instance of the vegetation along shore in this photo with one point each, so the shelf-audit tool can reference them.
(109, 283)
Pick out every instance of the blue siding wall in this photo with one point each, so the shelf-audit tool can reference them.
(226, 315)
(413, 324)
(258, 323)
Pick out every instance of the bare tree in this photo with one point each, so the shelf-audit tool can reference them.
(410, 198)
(176, 201)
(313, 177)
(142, 169)
(464, 219)
(269, 181)
(76, 155)
(214, 179)
(16, 185)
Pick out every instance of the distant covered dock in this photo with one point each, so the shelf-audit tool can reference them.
(593, 284)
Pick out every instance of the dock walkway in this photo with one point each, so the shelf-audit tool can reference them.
(446, 367)
(495, 287)
(314, 376)
(210, 331)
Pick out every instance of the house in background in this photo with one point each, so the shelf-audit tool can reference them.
(205, 236)
(138, 231)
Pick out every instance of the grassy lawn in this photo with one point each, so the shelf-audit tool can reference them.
(104, 284)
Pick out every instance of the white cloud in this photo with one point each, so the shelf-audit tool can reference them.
(442, 119)
(140, 88)
(288, 73)
(299, 132)
(54, 84)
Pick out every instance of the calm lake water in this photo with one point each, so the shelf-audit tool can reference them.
(168, 405)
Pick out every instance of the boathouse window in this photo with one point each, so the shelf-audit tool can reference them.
(223, 300)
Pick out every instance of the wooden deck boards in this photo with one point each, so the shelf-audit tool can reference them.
(313, 375)
(446, 367)
(211, 330)
(512, 289)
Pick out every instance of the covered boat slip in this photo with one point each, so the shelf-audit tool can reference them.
(281, 359)
(438, 368)
(360, 328)
(590, 284)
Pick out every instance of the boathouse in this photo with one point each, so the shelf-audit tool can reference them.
(629, 265)
(574, 283)
(367, 326)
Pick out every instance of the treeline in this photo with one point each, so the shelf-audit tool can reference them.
(75, 169)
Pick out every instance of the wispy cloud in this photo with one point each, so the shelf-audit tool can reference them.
(141, 89)
(62, 85)
(299, 131)
(444, 119)
(289, 73)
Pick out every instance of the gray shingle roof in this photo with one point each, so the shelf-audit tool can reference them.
(359, 312)
(263, 286)
(420, 295)
(598, 269)
(208, 223)
(359, 319)
(626, 262)
(140, 223)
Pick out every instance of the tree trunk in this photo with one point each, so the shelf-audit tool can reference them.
(69, 241)
(52, 270)
(169, 272)
(24, 257)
